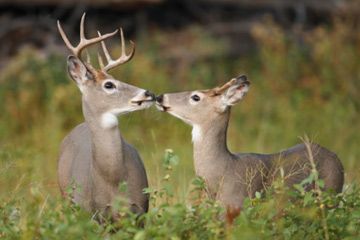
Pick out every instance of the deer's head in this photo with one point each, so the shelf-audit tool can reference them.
(201, 106)
(103, 94)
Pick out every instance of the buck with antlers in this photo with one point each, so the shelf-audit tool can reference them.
(232, 177)
(94, 158)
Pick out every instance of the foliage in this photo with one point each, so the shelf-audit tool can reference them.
(281, 213)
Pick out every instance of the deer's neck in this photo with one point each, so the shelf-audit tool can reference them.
(210, 149)
(107, 146)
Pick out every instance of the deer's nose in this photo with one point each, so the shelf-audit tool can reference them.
(160, 98)
(150, 94)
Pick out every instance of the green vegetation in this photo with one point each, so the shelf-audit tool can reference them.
(312, 88)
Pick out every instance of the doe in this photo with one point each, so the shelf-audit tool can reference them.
(229, 177)
(94, 158)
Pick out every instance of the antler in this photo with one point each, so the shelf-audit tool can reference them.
(83, 41)
(111, 63)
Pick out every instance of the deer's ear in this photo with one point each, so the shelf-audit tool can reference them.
(238, 88)
(78, 71)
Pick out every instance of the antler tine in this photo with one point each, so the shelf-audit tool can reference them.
(101, 63)
(111, 63)
(83, 41)
(122, 42)
(87, 56)
(125, 58)
(64, 37)
(105, 50)
(82, 30)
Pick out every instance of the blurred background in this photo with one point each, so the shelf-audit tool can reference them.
(303, 58)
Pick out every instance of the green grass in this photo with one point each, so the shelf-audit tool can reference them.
(296, 91)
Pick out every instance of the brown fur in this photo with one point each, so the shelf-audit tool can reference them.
(230, 177)
(231, 214)
(94, 158)
(101, 76)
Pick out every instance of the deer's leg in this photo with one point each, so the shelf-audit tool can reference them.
(231, 214)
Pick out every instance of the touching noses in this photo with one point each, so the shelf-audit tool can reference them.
(150, 94)
(160, 98)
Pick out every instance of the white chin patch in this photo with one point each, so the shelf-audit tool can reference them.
(109, 120)
(196, 133)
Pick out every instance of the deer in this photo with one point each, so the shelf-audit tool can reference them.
(230, 178)
(94, 158)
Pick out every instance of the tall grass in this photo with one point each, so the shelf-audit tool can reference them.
(304, 83)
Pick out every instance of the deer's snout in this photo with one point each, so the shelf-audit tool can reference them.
(160, 98)
(160, 103)
(145, 98)
(150, 94)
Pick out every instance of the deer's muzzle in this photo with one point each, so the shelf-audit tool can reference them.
(144, 97)
(160, 103)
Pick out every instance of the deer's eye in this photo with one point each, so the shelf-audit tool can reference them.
(195, 97)
(109, 85)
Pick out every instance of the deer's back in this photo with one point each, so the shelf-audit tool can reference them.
(296, 165)
(293, 164)
(248, 173)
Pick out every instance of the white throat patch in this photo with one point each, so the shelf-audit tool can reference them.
(196, 133)
(108, 120)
